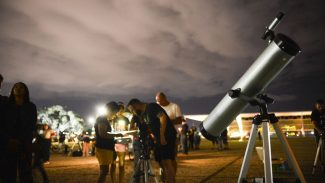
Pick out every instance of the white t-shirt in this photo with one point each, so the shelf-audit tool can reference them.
(173, 110)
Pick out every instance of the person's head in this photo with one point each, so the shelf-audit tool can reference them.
(135, 106)
(19, 90)
(319, 105)
(121, 107)
(1, 79)
(161, 99)
(112, 108)
(46, 126)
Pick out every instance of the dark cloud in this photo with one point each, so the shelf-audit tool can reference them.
(81, 51)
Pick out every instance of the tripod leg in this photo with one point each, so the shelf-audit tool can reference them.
(248, 153)
(288, 151)
(317, 155)
(152, 173)
(146, 171)
(267, 153)
(137, 171)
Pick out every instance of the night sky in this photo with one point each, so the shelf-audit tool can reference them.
(83, 53)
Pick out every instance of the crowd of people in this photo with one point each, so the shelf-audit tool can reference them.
(25, 147)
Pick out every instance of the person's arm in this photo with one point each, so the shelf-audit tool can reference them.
(163, 124)
(102, 131)
(317, 126)
(179, 116)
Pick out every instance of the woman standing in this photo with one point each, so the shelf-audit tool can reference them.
(19, 125)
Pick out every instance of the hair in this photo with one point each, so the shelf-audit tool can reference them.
(112, 106)
(1, 77)
(320, 101)
(133, 102)
(12, 95)
(161, 94)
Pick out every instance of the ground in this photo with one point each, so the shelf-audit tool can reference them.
(204, 165)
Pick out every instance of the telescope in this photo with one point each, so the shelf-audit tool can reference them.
(280, 51)
(249, 90)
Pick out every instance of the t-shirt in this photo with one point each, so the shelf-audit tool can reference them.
(101, 142)
(152, 115)
(319, 118)
(173, 110)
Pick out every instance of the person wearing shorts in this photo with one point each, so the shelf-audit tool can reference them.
(162, 131)
(105, 142)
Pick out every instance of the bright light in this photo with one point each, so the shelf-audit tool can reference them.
(91, 120)
(101, 110)
(240, 126)
(121, 122)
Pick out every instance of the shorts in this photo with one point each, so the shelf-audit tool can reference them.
(104, 156)
(165, 152)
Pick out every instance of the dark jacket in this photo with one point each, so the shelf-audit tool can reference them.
(20, 121)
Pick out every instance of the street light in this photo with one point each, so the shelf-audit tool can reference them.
(101, 110)
(91, 120)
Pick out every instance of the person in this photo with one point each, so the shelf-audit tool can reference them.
(38, 157)
(19, 126)
(318, 120)
(197, 139)
(3, 102)
(105, 142)
(121, 123)
(62, 146)
(86, 141)
(47, 141)
(135, 125)
(215, 143)
(191, 138)
(184, 138)
(174, 113)
(224, 139)
(162, 130)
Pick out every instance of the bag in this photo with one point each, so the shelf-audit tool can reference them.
(76, 153)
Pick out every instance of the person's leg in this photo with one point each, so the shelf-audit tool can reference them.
(121, 159)
(103, 171)
(10, 171)
(47, 145)
(185, 145)
(25, 167)
(113, 172)
(85, 149)
(136, 153)
(169, 170)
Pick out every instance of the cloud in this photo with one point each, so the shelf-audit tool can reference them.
(123, 47)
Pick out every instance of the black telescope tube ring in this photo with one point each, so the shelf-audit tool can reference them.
(287, 45)
(206, 134)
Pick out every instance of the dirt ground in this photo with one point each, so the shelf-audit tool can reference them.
(204, 165)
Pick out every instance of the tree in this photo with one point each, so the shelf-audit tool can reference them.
(60, 119)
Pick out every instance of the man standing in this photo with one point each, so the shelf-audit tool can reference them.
(174, 113)
(318, 119)
(173, 110)
(105, 142)
(163, 132)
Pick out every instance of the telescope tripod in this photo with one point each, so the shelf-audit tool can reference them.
(320, 148)
(265, 119)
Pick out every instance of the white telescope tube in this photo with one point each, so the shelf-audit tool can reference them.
(277, 55)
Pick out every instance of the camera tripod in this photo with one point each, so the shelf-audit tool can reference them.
(319, 149)
(143, 169)
(265, 119)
